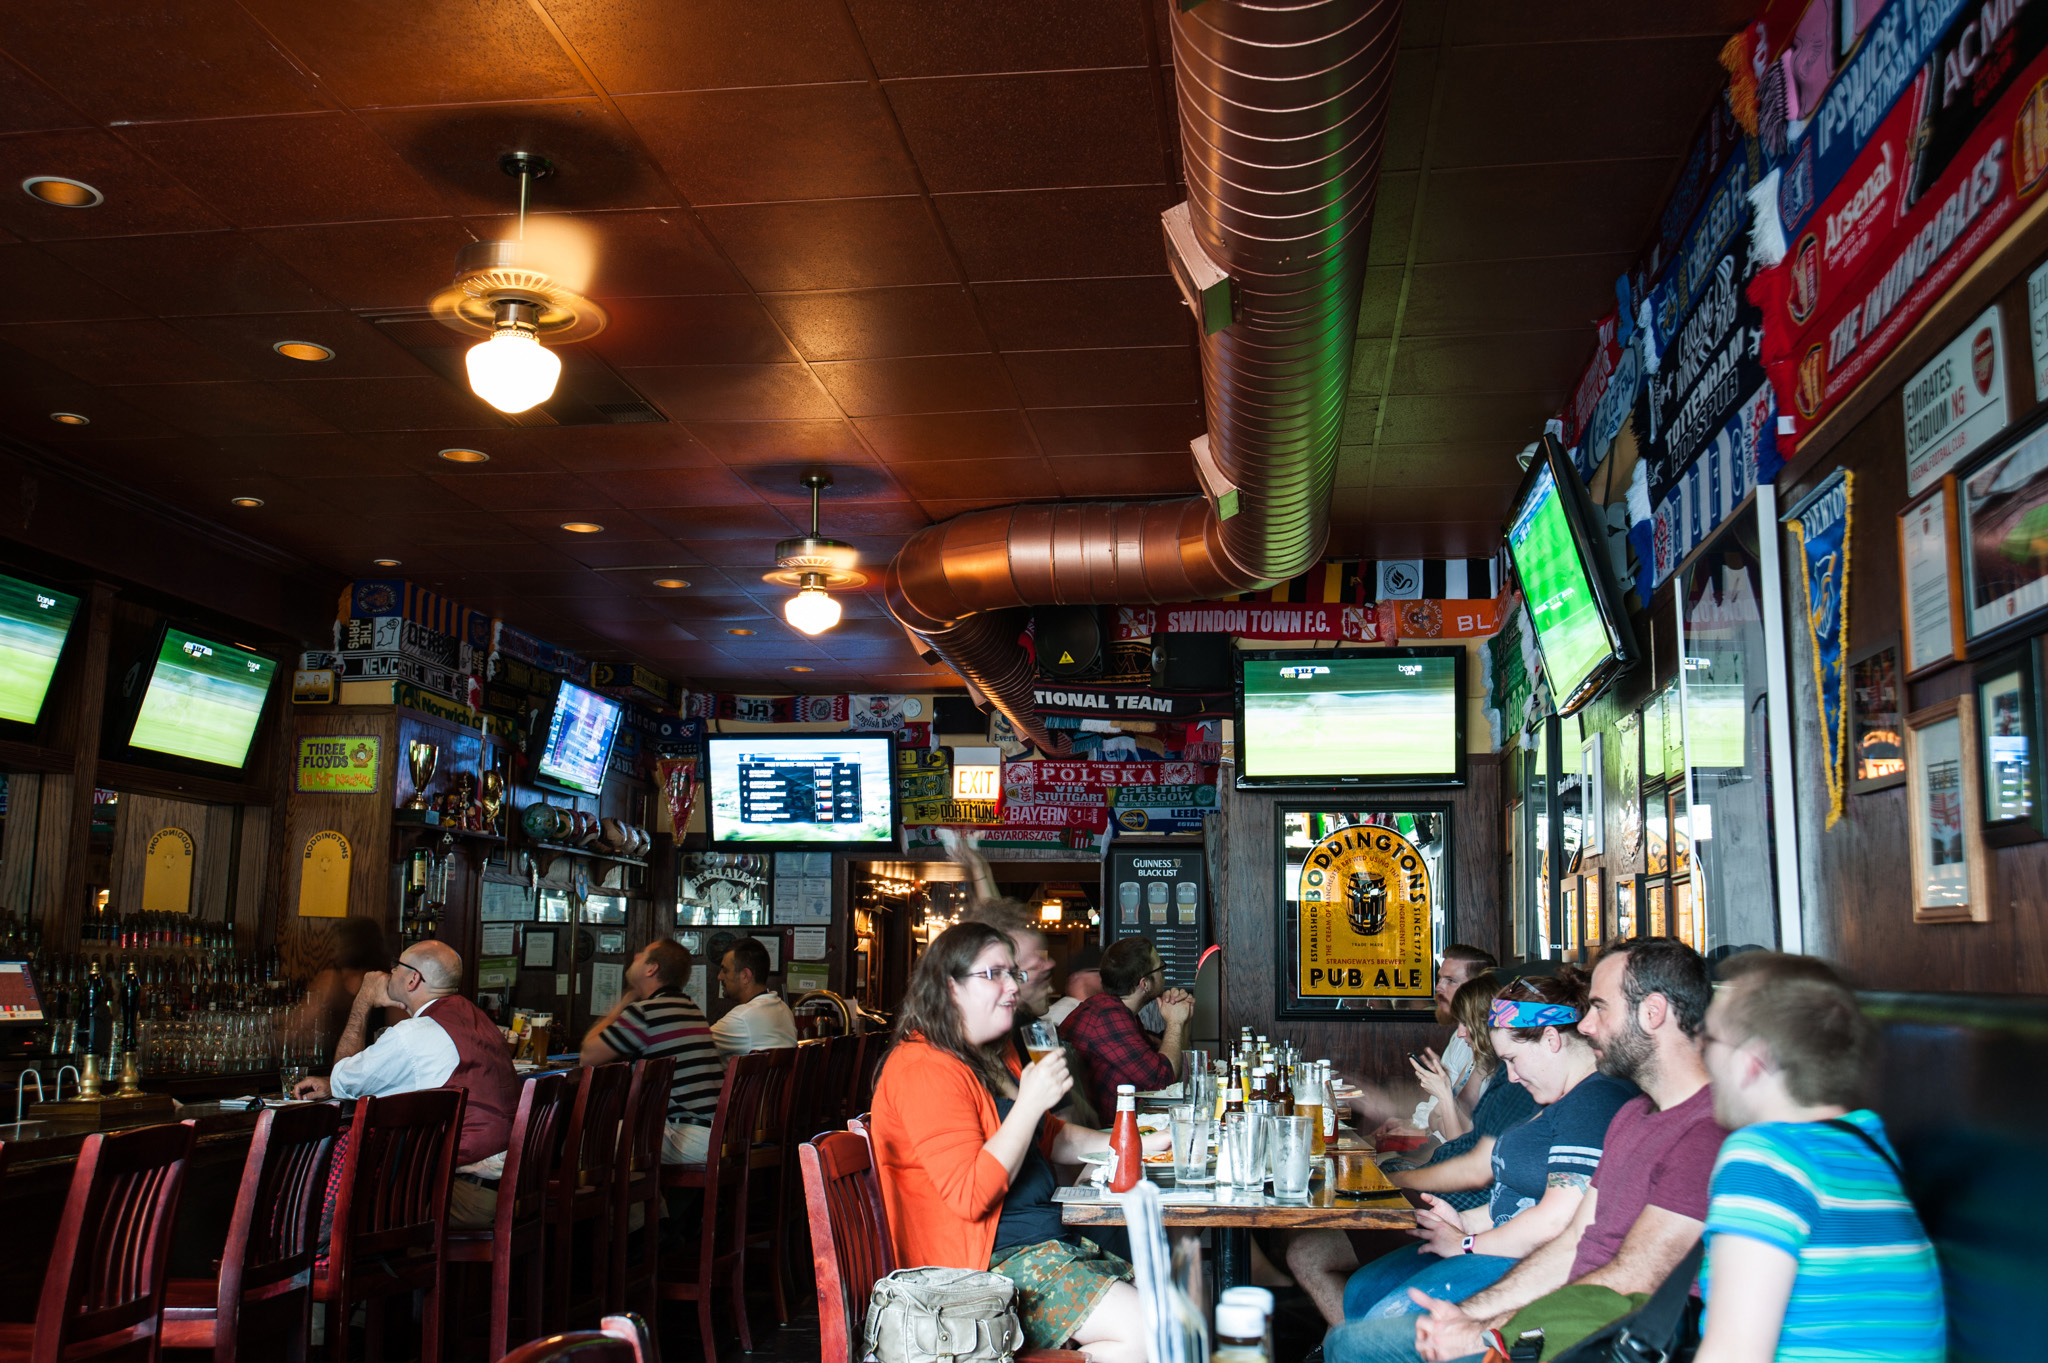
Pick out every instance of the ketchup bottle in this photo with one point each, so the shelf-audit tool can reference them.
(1126, 1146)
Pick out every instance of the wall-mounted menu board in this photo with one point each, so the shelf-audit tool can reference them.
(1161, 893)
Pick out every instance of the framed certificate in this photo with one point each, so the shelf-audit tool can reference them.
(1944, 812)
(1930, 585)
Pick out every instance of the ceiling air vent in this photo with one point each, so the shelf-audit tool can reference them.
(590, 393)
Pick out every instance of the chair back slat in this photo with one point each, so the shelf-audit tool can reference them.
(274, 1232)
(873, 1047)
(646, 1117)
(107, 1270)
(807, 1091)
(773, 1122)
(589, 1144)
(394, 1188)
(544, 1101)
(849, 1236)
(843, 1070)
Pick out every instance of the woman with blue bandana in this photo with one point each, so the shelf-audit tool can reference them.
(1540, 1169)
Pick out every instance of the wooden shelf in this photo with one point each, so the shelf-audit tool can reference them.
(546, 854)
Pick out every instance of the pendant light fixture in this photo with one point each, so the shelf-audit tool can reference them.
(815, 566)
(517, 304)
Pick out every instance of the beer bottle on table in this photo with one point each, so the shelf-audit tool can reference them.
(1126, 1146)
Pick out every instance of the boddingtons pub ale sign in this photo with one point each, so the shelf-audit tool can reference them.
(1367, 917)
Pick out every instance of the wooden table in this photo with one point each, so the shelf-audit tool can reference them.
(1234, 1212)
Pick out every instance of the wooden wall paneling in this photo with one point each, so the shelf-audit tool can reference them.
(253, 878)
(18, 841)
(53, 863)
(60, 923)
(365, 820)
(1245, 888)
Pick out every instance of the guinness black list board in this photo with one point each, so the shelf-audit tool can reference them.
(1161, 893)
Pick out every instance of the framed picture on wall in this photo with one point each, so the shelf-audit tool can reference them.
(1930, 581)
(1877, 747)
(1944, 811)
(1365, 900)
(2003, 522)
(2008, 691)
(1624, 907)
(1596, 912)
(1593, 795)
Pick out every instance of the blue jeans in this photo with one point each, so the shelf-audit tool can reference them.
(1380, 1288)
(1383, 1339)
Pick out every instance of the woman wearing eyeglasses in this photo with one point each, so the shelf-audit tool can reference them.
(965, 1145)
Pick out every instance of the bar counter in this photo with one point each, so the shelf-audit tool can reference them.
(39, 1159)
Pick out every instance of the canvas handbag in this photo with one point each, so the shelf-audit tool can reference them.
(942, 1315)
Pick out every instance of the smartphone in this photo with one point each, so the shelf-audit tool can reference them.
(1414, 1059)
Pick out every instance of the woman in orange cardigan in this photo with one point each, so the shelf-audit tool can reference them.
(965, 1145)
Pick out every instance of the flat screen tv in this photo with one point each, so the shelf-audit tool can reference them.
(34, 623)
(827, 791)
(20, 1001)
(1351, 717)
(1582, 633)
(201, 700)
(581, 729)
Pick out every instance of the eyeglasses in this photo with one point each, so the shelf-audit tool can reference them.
(408, 965)
(995, 974)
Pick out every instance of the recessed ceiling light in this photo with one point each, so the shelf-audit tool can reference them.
(70, 419)
(674, 584)
(581, 527)
(385, 562)
(739, 631)
(250, 502)
(59, 192)
(310, 351)
(793, 667)
(465, 456)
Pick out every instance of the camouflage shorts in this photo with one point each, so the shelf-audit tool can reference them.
(1058, 1284)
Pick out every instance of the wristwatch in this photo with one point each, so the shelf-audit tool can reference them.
(1468, 1245)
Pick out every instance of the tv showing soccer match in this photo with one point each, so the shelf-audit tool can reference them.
(1351, 717)
(581, 730)
(202, 700)
(802, 790)
(1574, 607)
(34, 622)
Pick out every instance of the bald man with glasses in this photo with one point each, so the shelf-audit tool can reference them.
(445, 1041)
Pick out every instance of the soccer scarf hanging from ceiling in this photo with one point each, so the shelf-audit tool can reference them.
(1362, 601)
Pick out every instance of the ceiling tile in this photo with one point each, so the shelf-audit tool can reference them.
(30, 389)
(1408, 107)
(853, 484)
(517, 491)
(1513, 295)
(192, 273)
(1380, 301)
(1083, 378)
(863, 324)
(1058, 234)
(1548, 210)
(665, 488)
(642, 45)
(427, 403)
(247, 340)
(635, 563)
(1512, 418)
(645, 253)
(598, 160)
(225, 409)
(307, 456)
(546, 525)
(136, 350)
(1125, 475)
(275, 172)
(733, 392)
(1507, 21)
(1117, 430)
(1045, 130)
(1481, 464)
(653, 445)
(374, 52)
(1393, 219)
(840, 519)
(758, 442)
(1052, 314)
(774, 142)
(373, 264)
(917, 38)
(1545, 362)
(833, 244)
(172, 59)
(41, 288)
(139, 197)
(902, 440)
(706, 529)
(708, 329)
(28, 106)
(1436, 504)
(932, 383)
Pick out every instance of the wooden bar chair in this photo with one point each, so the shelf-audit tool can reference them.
(103, 1293)
(391, 1216)
(580, 1190)
(873, 1046)
(851, 1243)
(519, 1233)
(264, 1291)
(636, 1179)
(718, 1253)
(806, 1100)
(768, 1178)
(617, 1339)
(842, 1068)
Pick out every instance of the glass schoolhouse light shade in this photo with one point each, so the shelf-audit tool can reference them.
(512, 370)
(811, 610)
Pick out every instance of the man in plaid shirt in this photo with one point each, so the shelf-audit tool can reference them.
(1105, 1028)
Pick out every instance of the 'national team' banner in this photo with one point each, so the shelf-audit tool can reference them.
(1821, 526)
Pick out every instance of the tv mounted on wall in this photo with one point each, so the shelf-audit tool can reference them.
(577, 745)
(820, 791)
(1574, 605)
(34, 623)
(198, 700)
(1351, 717)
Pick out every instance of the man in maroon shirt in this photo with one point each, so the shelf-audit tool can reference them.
(1648, 1200)
(1106, 1031)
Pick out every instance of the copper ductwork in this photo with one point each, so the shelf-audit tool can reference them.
(1282, 113)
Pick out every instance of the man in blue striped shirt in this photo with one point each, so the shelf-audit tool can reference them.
(1814, 1252)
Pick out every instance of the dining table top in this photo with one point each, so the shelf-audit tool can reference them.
(1088, 1205)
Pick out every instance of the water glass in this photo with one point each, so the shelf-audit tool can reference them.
(1246, 1133)
(1194, 1133)
(1293, 1140)
(1197, 1064)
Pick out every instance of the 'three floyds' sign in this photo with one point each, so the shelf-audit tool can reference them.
(1827, 328)
(1367, 922)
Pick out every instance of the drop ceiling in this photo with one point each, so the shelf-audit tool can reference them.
(913, 243)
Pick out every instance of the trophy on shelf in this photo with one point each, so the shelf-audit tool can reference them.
(421, 757)
(493, 799)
